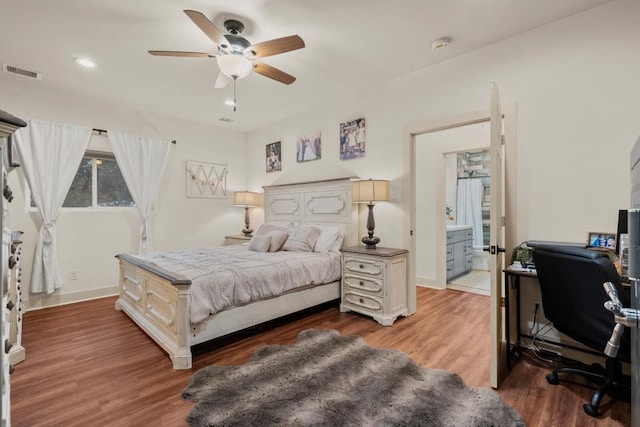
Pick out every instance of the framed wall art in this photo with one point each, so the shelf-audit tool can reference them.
(274, 157)
(352, 139)
(309, 147)
(206, 180)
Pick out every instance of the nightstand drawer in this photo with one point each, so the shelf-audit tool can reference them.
(363, 301)
(364, 284)
(366, 266)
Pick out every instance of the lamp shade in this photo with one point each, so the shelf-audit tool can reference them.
(235, 65)
(246, 199)
(371, 190)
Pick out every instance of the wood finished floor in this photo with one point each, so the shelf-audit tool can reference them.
(89, 365)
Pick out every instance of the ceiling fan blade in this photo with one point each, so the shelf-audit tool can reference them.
(207, 27)
(179, 53)
(276, 46)
(222, 80)
(274, 73)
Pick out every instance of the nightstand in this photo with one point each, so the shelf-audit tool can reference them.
(374, 282)
(236, 240)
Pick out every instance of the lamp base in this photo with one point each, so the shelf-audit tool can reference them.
(247, 232)
(370, 241)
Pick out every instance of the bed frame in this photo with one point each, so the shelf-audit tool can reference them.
(158, 300)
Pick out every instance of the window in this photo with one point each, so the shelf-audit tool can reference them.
(98, 184)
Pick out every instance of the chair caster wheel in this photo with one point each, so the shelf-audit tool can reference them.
(553, 379)
(591, 410)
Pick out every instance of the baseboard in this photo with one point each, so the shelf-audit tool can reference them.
(40, 301)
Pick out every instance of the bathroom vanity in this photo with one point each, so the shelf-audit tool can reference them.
(459, 250)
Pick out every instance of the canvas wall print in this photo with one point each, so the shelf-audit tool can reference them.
(309, 147)
(352, 139)
(274, 156)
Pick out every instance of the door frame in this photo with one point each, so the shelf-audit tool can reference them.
(510, 187)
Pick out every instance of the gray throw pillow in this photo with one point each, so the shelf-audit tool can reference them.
(302, 239)
(278, 237)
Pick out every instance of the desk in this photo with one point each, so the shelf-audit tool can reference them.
(512, 276)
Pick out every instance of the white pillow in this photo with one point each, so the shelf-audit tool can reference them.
(337, 245)
(302, 239)
(260, 243)
(278, 237)
(328, 236)
(265, 229)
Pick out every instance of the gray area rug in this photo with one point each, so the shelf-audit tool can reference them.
(326, 379)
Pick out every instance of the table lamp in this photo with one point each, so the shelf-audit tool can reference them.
(246, 199)
(369, 191)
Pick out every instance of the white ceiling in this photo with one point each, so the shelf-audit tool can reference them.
(350, 45)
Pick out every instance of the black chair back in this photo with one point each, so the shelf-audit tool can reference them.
(573, 297)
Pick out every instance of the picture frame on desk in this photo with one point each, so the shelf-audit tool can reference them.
(599, 239)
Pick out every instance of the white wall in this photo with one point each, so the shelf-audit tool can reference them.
(575, 84)
(88, 241)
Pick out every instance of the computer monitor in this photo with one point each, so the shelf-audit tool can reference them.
(623, 215)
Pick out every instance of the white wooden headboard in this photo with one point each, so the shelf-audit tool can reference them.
(325, 202)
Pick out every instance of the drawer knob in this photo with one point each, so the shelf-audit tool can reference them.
(10, 305)
(12, 262)
(361, 266)
(361, 283)
(7, 346)
(361, 300)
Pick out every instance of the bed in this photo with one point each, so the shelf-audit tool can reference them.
(158, 299)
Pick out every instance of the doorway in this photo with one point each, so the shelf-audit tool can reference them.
(460, 158)
(467, 211)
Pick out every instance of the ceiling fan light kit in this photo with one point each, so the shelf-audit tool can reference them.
(236, 56)
(235, 65)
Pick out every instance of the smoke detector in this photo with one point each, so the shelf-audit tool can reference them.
(440, 44)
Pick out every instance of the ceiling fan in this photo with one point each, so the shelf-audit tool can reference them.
(235, 55)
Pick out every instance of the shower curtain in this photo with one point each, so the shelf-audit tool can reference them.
(469, 207)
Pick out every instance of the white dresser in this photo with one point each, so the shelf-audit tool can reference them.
(374, 282)
(459, 250)
(9, 272)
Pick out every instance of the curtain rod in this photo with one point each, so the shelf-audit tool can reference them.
(101, 131)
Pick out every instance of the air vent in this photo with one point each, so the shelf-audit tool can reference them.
(225, 119)
(21, 71)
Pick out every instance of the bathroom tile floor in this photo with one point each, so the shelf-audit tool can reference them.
(476, 281)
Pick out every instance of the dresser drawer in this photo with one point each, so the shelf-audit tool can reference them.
(366, 266)
(362, 301)
(371, 285)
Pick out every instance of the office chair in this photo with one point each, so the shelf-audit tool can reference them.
(571, 282)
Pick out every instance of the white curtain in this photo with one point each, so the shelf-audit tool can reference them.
(141, 161)
(469, 207)
(50, 154)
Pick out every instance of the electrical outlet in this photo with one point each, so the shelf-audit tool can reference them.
(73, 274)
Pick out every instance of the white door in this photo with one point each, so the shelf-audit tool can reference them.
(496, 241)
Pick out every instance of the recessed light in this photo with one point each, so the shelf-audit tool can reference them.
(229, 102)
(85, 62)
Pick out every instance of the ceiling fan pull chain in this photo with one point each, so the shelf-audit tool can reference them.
(234, 94)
